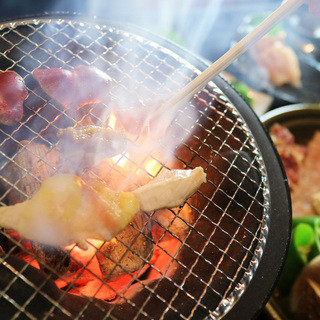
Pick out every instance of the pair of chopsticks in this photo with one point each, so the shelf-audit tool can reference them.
(184, 95)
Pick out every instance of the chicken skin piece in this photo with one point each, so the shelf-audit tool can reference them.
(91, 144)
(13, 92)
(170, 189)
(66, 210)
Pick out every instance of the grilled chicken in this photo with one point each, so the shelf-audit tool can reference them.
(78, 87)
(66, 210)
(34, 162)
(170, 189)
(13, 92)
(91, 144)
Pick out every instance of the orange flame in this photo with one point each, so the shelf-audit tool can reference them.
(121, 159)
(112, 121)
(152, 166)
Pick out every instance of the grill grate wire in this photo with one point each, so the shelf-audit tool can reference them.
(142, 69)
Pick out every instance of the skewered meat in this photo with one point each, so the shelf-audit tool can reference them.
(170, 189)
(91, 144)
(66, 210)
(13, 92)
(78, 87)
(41, 162)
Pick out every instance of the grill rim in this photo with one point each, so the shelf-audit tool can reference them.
(253, 299)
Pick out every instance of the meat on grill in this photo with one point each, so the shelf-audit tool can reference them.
(170, 189)
(13, 92)
(91, 144)
(66, 210)
(74, 88)
(33, 163)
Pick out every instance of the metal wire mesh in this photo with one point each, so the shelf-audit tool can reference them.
(198, 274)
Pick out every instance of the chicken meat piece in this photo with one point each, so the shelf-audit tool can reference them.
(170, 189)
(278, 59)
(74, 88)
(91, 144)
(34, 162)
(66, 210)
(13, 92)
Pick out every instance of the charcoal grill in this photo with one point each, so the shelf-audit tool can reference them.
(231, 256)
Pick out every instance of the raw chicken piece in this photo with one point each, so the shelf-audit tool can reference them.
(170, 189)
(34, 162)
(66, 210)
(78, 87)
(12, 94)
(280, 61)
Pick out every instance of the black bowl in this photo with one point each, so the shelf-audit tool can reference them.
(301, 119)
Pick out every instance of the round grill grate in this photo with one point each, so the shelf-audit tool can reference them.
(204, 258)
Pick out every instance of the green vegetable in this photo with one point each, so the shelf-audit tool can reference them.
(256, 20)
(304, 246)
(243, 89)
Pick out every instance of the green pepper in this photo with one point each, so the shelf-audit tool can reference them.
(302, 244)
(314, 222)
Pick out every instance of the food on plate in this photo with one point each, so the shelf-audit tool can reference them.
(74, 88)
(299, 283)
(292, 154)
(308, 186)
(301, 163)
(66, 210)
(91, 144)
(277, 59)
(13, 92)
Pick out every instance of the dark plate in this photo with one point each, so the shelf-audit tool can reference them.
(301, 119)
(245, 69)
